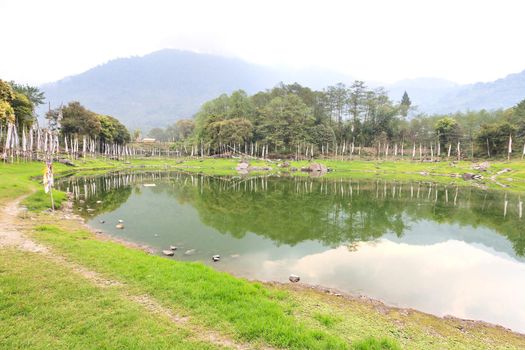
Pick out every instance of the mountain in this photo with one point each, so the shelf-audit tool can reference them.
(423, 92)
(442, 96)
(161, 87)
(502, 93)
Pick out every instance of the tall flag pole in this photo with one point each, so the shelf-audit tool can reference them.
(48, 181)
(510, 146)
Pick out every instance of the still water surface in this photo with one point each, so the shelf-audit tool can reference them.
(436, 248)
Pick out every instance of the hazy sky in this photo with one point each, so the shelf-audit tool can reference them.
(460, 40)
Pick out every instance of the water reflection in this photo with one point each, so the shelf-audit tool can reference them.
(292, 210)
(437, 248)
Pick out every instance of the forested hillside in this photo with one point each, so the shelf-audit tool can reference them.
(162, 87)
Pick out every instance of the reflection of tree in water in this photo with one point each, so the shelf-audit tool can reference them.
(293, 210)
(95, 195)
(109, 201)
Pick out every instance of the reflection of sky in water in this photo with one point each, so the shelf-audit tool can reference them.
(449, 278)
(441, 268)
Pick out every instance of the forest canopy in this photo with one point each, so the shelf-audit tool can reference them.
(290, 116)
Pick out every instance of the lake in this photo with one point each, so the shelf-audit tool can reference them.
(441, 249)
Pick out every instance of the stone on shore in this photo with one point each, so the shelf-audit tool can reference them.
(315, 167)
(168, 252)
(242, 166)
(294, 278)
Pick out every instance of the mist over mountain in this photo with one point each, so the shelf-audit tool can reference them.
(442, 96)
(161, 87)
(424, 92)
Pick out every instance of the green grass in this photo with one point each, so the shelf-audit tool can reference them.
(246, 310)
(253, 312)
(40, 201)
(44, 306)
(374, 344)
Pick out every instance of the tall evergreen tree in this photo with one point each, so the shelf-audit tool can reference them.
(405, 104)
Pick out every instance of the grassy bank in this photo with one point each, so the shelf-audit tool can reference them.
(45, 304)
(279, 315)
(18, 179)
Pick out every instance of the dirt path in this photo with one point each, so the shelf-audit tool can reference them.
(10, 229)
(12, 226)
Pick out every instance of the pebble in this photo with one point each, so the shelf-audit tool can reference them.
(172, 247)
(102, 221)
(294, 278)
(119, 226)
(216, 258)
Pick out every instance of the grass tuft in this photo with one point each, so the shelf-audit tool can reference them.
(376, 344)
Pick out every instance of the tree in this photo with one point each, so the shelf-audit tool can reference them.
(112, 131)
(230, 131)
(7, 114)
(6, 92)
(76, 119)
(285, 121)
(23, 109)
(405, 104)
(33, 93)
(54, 117)
(447, 131)
(337, 97)
(183, 129)
(239, 105)
(356, 99)
(494, 137)
(158, 134)
(321, 134)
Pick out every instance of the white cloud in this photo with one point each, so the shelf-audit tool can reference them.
(464, 41)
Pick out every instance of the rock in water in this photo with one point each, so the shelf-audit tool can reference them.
(216, 258)
(168, 252)
(102, 221)
(172, 247)
(119, 226)
(294, 278)
(120, 221)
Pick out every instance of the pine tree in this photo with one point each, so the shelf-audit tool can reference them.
(405, 104)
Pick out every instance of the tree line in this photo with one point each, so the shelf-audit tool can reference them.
(71, 128)
(342, 120)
